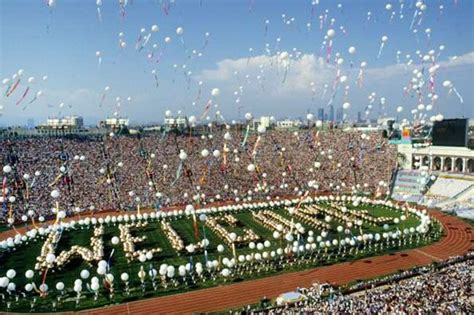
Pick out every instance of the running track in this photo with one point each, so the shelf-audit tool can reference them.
(458, 240)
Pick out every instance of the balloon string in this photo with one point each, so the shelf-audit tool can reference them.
(328, 51)
(13, 88)
(102, 100)
(380, 50)
(246, 135)
(413, 20)
(254, 152)
(458, 95)
(225, 154)
(137, 43)
(206, 109)
(285, 74)
(178, 172)
(99, 14)
(8, 89)
(360, 78)
(34, 223)
(23, 96)
(195, 227)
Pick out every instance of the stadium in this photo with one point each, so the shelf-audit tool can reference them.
(270, 212)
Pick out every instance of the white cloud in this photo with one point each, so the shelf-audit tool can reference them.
(466, 59)
(269, 73)
(269, 94)
(305, 70)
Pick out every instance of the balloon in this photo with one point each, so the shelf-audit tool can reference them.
(50, 258)
(284, 56)
(11, 273)
(29, 274)
(115, 240)
(44, 287)
(215, 92)
(124, 276)
(155, 28)
(179, 31)
(7, 169)
(85, 274)
(11, 286)
(331, 33)
(183, 156)
(55, 193)
(352, 50)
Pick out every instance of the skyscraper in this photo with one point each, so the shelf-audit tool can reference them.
(339, 114)
(331, 113)
(321, 114)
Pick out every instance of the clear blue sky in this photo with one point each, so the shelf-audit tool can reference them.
(61, 43)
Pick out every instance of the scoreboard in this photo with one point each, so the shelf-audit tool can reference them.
(450, 133)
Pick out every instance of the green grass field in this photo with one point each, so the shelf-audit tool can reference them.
(24, 258)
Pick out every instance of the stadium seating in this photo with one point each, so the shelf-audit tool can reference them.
(448, 191)
(409, 185)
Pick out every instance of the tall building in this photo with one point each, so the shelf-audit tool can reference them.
(339, 114)
(359, 117)
(321, 114)
(331, 113)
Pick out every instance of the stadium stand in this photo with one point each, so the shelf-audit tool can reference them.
(410, 185)
(449, 190)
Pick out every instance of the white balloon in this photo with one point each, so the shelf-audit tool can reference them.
(331, 33)
(215, 92)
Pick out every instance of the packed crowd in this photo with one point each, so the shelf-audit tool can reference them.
(123, 172)
(438, 289)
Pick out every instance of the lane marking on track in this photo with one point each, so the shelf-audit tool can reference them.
(428, 255)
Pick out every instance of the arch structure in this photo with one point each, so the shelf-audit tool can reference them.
(458, 160)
